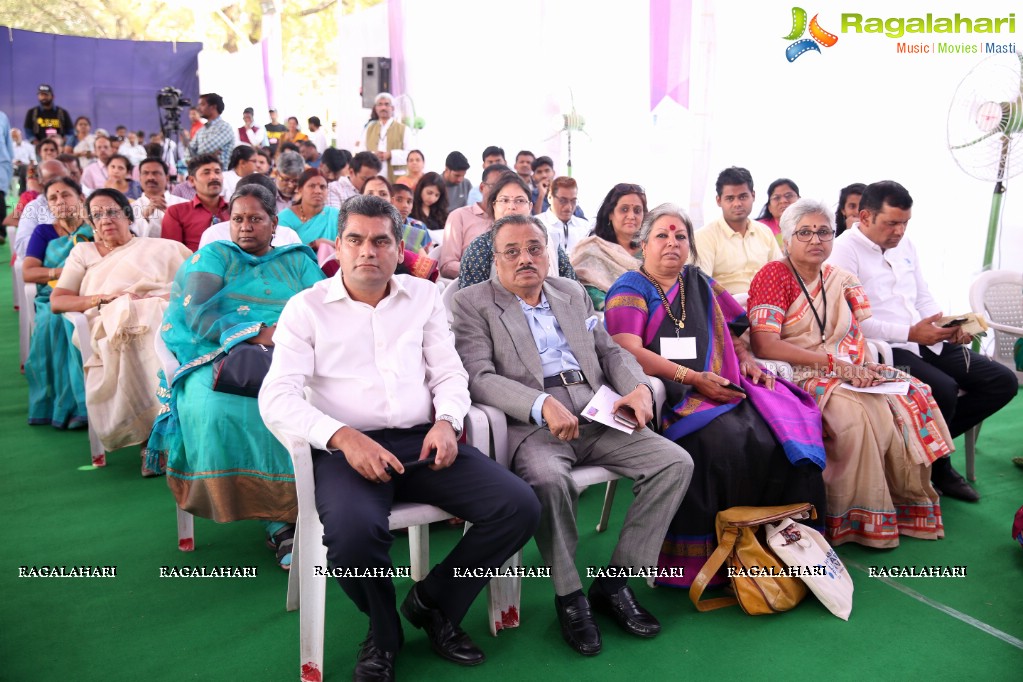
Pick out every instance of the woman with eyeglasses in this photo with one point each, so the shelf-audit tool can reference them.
(612, 248)
(755, 440)
(121, 283)
(222, 461)
(56, 383)
(509, 195)
(430, 202)
(780, 195)
(879, 446)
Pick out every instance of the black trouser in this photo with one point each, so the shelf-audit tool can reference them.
(3, 213)
(501, 506)
(988, 385)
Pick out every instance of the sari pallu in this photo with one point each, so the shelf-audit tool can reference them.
(763, 450)
(121, 376)
(222, 462)
(56, 380)
(879, 447)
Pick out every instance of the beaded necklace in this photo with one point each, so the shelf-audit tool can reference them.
(679, 323)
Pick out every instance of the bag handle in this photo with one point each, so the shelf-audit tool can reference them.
(714, 562)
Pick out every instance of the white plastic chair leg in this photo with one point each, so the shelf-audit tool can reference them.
(98, 453)
(419, 550)
(186, 531)
(609, 498)
(504, 595)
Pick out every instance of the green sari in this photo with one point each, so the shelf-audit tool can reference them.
(222, 462)
(56, 381)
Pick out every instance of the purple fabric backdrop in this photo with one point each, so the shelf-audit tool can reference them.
(670, 47)
(113, 82)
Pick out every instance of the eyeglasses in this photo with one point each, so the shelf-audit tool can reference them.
(109, 213)
(285, 180)
(564, 201)
(514, 201)
(824, 235)
(512, 254)
(788, 196)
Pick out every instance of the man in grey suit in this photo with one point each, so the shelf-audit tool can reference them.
(534, 348)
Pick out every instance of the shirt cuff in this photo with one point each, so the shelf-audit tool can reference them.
(536, 412)
(323, 430)
(450, 408)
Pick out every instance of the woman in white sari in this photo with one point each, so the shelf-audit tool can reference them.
(122, 284)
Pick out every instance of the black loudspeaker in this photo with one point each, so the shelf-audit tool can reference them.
(376, 78)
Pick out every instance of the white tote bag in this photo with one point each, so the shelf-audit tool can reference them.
(804, 549)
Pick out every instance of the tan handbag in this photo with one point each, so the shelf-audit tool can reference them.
(750, 560)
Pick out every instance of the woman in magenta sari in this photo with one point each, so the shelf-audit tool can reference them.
(756, 447)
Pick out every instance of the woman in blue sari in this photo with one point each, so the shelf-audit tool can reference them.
(222, 462)
(309, 215)
(758, 446)
(56, 382)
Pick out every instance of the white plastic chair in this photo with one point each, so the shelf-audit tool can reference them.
(307, 590)
(998, 295)
(25, 305)
(449, 293)
(81, 325)
(186, 522)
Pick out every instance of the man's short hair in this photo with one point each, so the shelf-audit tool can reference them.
(495, 168)
(154, 159)
(456, 161)
(734, 175)
(197, 162)
(541, 161)
(398, 187)
(307, 143)
(370, 206)
(493, 150)
(315, 120)
(877, 194)
(214, 100)
(333, 160)
(290, 164)
(249, 110)
(261, 180)
(524, 152)
(563, 182)
(519, 219)
(365, 160)
(242, 152)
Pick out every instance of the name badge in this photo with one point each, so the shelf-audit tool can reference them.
(678, 348)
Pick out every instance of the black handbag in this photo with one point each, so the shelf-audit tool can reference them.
(242, 371)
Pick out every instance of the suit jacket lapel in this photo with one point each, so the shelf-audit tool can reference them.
(518, 329)
(573, 326)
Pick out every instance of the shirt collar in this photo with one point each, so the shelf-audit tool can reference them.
(336, 290)
(863, 239)
(543, 305)
(197, 202)
(727, 230)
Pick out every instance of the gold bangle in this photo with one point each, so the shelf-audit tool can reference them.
(680, 374)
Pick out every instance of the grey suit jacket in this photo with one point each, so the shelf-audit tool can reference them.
(493, 339)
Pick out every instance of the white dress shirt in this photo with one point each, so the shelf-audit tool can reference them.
(565, 235)
(891, 278)
(221, 232)
(256, 135)
(24, 153)
(389, 366)
(319, 139)
(230, 179)
(36, 212)
(152, 226)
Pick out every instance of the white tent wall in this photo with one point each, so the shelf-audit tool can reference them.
(238, 78)
(484, 73)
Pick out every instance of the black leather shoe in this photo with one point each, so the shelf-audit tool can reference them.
(447, 639)
(577, 625)
(950, 482)
(623, 607)
(374, 664)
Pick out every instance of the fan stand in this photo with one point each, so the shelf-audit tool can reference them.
(996, 205)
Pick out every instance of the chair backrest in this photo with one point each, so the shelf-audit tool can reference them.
(446, 296)
(434, 252)
(998, 295)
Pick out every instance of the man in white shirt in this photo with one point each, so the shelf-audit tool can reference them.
(388, 139)
(37, 212)
(150, 207)
(316, 134)
(24, 156)
(386, 389)
(904, 313)
(564, 228)
(250, 133)
(242, 163)
(133, 149)
(95, 174)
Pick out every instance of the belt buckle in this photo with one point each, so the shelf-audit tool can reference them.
(565, 379)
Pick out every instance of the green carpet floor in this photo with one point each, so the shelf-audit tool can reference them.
(138, 626)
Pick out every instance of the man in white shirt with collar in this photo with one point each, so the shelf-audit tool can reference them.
(152, 205)
(904, 313)
(733, 248)
(250, 133)
(564, 228)
(386, 138)
(386, 389)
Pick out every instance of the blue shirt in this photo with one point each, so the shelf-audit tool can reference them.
(6, 153)
(555, 354)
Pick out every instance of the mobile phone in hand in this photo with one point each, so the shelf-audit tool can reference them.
(411, 466)
(627, 417)
(959, 321)
(733, 387)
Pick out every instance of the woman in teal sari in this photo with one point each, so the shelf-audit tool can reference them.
(222, 462)
(56, 382)
(309, 215)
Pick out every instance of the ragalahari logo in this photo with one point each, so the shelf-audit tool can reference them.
(818, 35)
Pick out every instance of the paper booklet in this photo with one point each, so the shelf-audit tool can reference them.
(972, 323)
(599, 410)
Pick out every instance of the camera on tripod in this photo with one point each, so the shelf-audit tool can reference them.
(169, 104)
(170, 98)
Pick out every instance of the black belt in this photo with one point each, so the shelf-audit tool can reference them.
(569, 377)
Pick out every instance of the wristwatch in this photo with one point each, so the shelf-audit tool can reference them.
(455, 424)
